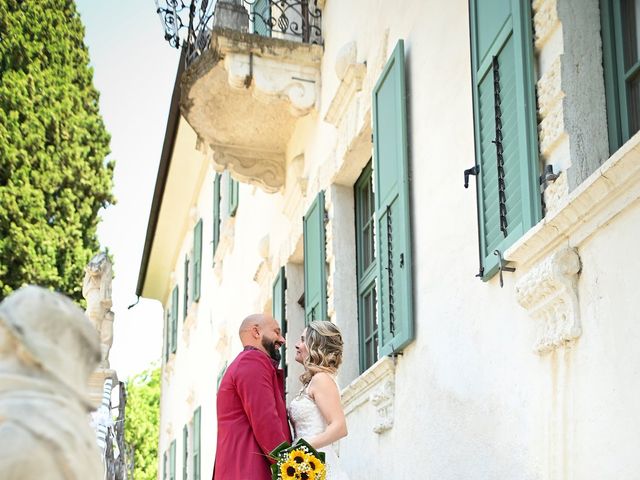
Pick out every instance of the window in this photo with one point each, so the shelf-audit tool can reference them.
(197, 260)
(185, 294)
(172, 461)
(506, 140)
(315, 283)
(233, 191)
(278, 312)
(216, 214)
(261, 16)
(366, 269)
(195, 446)
(621, 61)
(392, 211)
(167, 334)
(185, 452)
(174, 320)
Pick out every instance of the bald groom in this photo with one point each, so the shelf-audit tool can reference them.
(252, 415)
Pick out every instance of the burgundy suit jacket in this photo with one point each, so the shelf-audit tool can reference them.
(252, 417)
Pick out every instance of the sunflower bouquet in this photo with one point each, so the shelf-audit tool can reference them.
(299, 461)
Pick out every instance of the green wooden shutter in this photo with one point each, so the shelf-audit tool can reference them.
(278, 309)
(391, 170)
(261, 14)
(185, 293)
(315, 282)
(220, 375)
(196, 443)
(505, 120)
(167, 334)
(172, 461)
(174, 319)
(216, 214)
(197, 260)
(164, 466)
(234, 197)
(185, 452)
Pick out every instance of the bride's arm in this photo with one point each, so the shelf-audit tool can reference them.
(327, 397)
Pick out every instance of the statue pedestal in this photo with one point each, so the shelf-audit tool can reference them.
(96, 384)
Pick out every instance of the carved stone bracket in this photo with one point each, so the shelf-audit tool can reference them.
(549, 292)
(376, 387)
(243, 97)
(351, 75)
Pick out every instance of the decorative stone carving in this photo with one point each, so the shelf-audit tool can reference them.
(382, 399)
(376, 386)
(48, 348)
(243, 96)
(351, 75)
(549, 292)
(96, 289)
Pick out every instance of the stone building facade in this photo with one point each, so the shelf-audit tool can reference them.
(489, 331)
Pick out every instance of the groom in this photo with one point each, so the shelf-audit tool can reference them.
(252, 415)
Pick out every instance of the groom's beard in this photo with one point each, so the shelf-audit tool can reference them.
(272, 350)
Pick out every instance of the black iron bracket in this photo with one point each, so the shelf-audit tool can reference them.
(475, 170)
(502, 266)
(548, 176)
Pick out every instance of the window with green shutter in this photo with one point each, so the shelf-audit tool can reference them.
(506, 141)
(221, 375)
(197, 260)
(167, 334)
(216, 215)
(185, 293)
(164, 466)
(366, 268)
(620, 22)
(234, 196)
(261, 17)
(172, 461)
(315, 281)
(185, 452)
(278, 311)
(174, 319)
(393, 228)
(196, 444)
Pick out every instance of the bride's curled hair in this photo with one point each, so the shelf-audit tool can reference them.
(324, 343)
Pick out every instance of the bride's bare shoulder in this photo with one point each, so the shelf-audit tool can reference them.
(322, 381)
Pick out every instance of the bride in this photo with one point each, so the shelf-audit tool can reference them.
(316, 412)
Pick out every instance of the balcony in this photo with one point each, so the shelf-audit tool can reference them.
(252, 69)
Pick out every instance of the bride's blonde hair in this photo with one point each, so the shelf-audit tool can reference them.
(324, 343)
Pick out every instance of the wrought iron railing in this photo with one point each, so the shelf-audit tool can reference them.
(189, 24)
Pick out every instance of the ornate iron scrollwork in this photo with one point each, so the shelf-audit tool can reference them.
(189, 23)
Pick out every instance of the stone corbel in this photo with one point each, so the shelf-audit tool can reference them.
(264, 169)
(549, 293)
(382, 400)
(351, 75)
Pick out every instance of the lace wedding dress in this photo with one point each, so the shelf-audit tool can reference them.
(307, 422)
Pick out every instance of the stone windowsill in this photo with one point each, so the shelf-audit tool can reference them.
(607, 192)
(359, 391)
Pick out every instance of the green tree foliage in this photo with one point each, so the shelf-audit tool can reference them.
(53, 145)
(142, 422)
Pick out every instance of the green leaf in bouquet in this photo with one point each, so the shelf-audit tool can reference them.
(274, 471)
(279, 449)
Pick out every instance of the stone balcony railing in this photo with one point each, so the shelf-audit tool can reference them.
(252, 69)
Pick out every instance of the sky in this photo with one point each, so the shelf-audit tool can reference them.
(134, 71)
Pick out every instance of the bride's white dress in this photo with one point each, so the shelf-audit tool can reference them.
(307, 421)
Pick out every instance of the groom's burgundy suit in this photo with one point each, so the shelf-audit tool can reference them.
(252, 417)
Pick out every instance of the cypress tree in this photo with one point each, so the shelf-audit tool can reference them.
(53, 144)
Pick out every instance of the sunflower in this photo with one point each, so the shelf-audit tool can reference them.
(297, 456)
(289, 470)
(317, 469)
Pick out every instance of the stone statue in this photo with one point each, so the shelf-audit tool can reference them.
(96, 289)
(48, 349)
